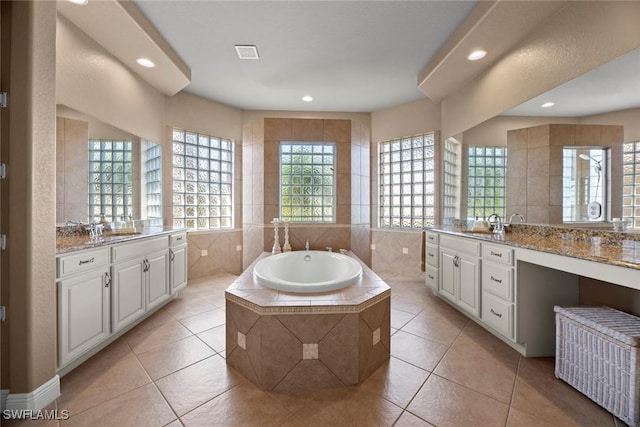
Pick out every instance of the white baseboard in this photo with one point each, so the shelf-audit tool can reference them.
(3, 399)
(35, 400)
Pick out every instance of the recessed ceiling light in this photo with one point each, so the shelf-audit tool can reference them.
(247, 51)
(548, 104)
(145, 62)
(476, 54)
(79, 2)
(307, 98)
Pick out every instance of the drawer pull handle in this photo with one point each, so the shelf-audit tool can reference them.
(494, 313)
(179, 238)
(498, 254)
(496, 280)
(87, 261)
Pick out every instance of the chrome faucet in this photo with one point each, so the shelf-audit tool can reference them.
(518, 215)
(307, 257)
(498, 226)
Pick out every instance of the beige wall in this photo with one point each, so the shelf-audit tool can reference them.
(413, 118)
(630, 119)
(28, 269)
(72, 174)
(121, 99)
(576, 39)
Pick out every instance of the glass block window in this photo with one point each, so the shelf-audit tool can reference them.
(407, 182)
(202, 181)
(631, 183)
(307, 182)
(450, 179)
(110, 180)
(152, 170)
(487, 186)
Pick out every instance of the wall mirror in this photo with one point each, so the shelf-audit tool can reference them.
(584, 184)
(104, 173)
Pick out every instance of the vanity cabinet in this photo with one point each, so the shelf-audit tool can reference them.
(498, 308)
(460, 273)
(140, 279)
(104, 291)
(83, 302)
(178, 262)
(432, 270)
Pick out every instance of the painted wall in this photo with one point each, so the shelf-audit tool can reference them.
(578, 38)
(28, 270)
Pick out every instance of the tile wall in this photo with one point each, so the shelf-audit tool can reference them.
(534, 172)
(389, 258)
(212, 253)
(260, 178)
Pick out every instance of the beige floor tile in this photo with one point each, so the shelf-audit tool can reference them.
(402, 303)
(177, 355)
(396, 381)
(189, 388)
(518, 418)
(407, 419)
(434, 328)
(539, 393)
(400, 318)
(141, 407)
(92, 384)
(184, 306)
(293, 421)
(47, 417)
(444, 403)
(242, 405)
(204, 321)
(142, 340)
(485, 375)
(156, 319)
(175, 423)
(294, 400)
(417, 351)
(349, 406)
(476, 340)
(215, 338)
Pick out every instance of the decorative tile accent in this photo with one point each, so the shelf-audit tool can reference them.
(309, 351)
(242, 340)
(376, 336)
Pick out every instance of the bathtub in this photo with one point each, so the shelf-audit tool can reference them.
(307, 271)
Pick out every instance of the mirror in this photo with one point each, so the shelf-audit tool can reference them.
(584, 189)
(104, 173)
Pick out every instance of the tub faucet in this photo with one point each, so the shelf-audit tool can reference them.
(307, 257)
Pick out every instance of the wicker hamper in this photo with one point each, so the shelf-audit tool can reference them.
(597, 353)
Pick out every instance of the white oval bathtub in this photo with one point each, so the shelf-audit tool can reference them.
(324, 271)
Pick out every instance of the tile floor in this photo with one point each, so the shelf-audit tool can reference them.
(444, 371)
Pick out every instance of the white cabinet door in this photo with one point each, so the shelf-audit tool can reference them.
(156, 276)
(83, 314)
(128, 297)
(178, 268)
(469, 285)
(448, 274)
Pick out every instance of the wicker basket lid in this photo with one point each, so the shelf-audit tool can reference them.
(619, 325)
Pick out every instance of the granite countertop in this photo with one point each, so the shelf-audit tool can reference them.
(74, 241)
(615, 248)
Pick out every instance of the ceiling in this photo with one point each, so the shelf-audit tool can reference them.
(351, 56)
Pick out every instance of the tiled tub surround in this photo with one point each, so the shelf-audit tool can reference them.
(287, 341)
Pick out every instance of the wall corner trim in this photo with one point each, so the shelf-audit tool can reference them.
(35, 400)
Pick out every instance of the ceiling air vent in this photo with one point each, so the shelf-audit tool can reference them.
(247, 52)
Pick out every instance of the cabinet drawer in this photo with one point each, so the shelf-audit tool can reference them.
(432, 255)
(431, 277)
(139, 248)
(178, 239)
(82, 261)
(498, 314)
(498, 279)
(461, 244)
(432, 238)
(497, 253)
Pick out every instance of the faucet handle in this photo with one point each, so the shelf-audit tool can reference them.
(329, 248)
